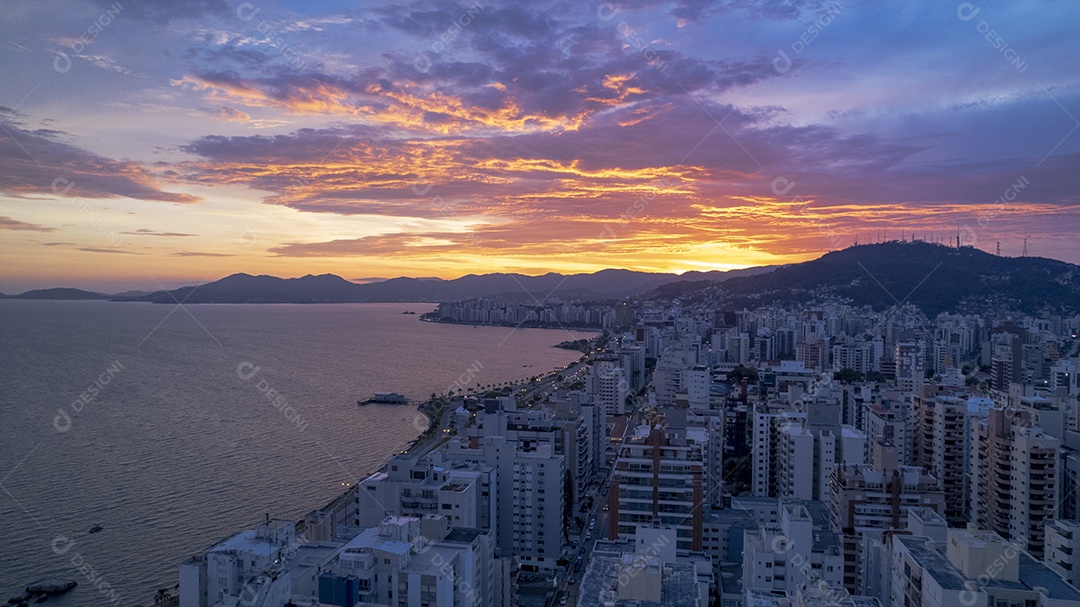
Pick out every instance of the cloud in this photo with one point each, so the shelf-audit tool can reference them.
(101, 250)
(7, 223)
(651, 177)
(201, 254)
(545, 131)
(39, 162)
(148, 232)
(232, 114)
(525, 71)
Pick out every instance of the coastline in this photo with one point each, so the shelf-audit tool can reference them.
(434, 410)
(524, 325)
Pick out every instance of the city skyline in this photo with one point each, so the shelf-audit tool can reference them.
(179, 143)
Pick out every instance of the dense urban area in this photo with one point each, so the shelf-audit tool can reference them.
(703, 455)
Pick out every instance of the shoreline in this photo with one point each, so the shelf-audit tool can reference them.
(434, 411)
(525, 325)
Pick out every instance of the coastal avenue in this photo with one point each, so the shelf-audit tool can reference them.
(523, 392)
(595, 525)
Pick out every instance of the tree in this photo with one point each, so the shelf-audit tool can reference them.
(163, 595)
(743, 372)
(847, 376)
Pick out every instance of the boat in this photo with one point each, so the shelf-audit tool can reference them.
(51, 586)
(96, 529)
(408, 312)
(385, 398)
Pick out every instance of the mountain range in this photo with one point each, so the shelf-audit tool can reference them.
(330, 288)
(934, 277)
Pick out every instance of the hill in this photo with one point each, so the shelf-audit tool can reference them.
(329, 288)
(59, 293)
(936, 278)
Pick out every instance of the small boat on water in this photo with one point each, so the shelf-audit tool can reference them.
(51, 586)
(385, 398)
(96, 529)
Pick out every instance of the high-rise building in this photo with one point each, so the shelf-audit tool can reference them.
(696, 383)
(798, 549)
(806, 456)
(941, 440)
(910, 360)
(658, 481)
(866, 498)
(1015, 478)
(607, 385)
(530, 516)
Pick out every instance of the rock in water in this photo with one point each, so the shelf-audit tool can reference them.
(51, 586)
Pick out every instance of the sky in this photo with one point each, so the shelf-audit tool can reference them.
(148, 144)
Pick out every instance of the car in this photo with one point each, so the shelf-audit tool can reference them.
(563, 600)
(605, 508)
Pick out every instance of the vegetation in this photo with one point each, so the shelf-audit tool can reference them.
(742, 372)
(580, 345)
(848, 376)
(935, 278)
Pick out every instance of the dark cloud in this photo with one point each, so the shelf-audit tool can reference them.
(101, 250)
(698, 10)
(161, 12)
(7, 223)
(40, 162)
(517, 65)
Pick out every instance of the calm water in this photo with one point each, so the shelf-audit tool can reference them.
(164, 444)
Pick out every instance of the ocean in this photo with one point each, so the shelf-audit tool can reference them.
(173, 427)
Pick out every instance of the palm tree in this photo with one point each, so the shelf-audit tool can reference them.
(162, 596)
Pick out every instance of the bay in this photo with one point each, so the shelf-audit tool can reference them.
(173, 427)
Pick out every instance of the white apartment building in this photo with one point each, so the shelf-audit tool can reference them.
(413, 561)
(799, 550)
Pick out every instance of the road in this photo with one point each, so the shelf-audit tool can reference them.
(597, 526)
(523, 391)
(527, 390)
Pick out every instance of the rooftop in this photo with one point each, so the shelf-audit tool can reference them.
(245, 541)
(463, 535)
(600, 582)
(932, 561)
(370, 538)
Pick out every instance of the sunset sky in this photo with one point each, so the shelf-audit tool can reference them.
(148, 144)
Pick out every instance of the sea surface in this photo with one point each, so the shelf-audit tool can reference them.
(173, 427)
